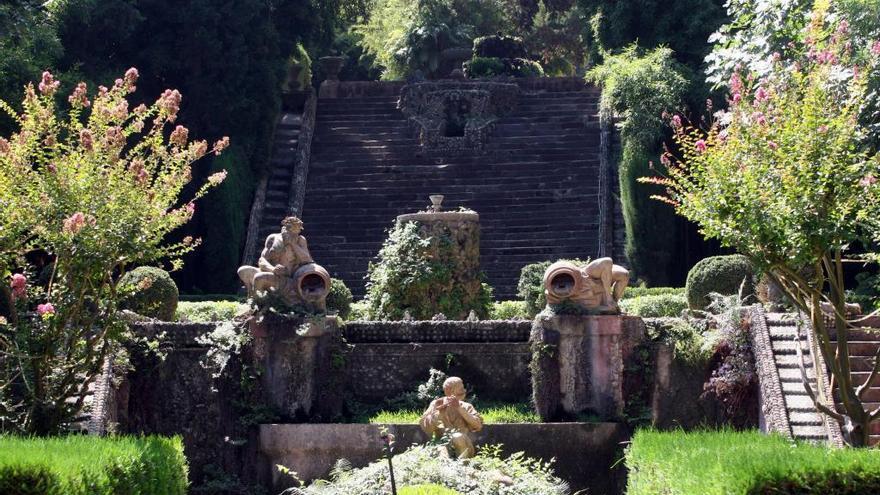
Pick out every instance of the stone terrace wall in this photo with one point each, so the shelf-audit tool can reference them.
(390, 358)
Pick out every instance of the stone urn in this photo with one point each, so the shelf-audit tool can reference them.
(331, 66)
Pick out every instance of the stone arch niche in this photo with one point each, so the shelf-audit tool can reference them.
(456, 116)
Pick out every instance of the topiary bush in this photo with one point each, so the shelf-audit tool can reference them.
(509, 310)
(339, 299)
(425, 269)
(89, 465)
(207, 311)
(149, 291)
(654, 306)
(499, 47)
(485, 67)
(521, 67)
(719, 274)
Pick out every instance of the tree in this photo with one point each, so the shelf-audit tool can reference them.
(785, 177)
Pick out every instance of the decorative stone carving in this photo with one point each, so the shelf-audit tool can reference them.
(456, 116)
(452, 416)
(287, 270)
(596, 287)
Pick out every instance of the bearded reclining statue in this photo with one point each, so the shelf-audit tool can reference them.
(287, 270)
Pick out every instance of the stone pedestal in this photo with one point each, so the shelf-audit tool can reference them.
(579, 362)
(296, 356)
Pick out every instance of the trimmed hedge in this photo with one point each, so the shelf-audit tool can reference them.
(745, 463)
(651, 291)
(149, 291)
(427, 490)
(721, 274)
(655, 306)
(206, 311)
(87, 465)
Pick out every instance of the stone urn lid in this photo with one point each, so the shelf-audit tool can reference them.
(434, 213)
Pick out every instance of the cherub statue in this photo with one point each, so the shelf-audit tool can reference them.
(597, 286)
(284, 254)
(452, 415)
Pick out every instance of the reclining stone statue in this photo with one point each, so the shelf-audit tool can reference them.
(452, 416)
(596, 287)
(286, 268)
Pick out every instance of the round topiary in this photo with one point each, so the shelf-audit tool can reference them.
(718, 274)
(339, 299)
(149, 291)
(500, 47)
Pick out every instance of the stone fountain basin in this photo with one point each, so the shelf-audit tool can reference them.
(585, 453)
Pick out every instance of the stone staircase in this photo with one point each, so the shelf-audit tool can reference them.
(863, 344)
(536, 186)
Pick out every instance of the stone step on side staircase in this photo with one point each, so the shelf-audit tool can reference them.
(785, 406)
(536, 186)
(281, 170)
(863, 344)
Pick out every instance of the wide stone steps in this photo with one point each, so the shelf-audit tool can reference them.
(535, 185)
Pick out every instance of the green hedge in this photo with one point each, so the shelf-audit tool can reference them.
(149, 291)
(87, 465)
(427, 490)
(718, 274)
(509, 310)
(740, 463)
(339, 299)
(654, 305)
(205, 311)
(637, 291)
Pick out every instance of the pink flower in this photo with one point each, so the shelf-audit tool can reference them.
(221, 145)
(777, 56)
(664, 159)
(843, 27)
(823, 129)
(868, 180)
(131, 76)
(115, 137)
(86, 139)
(190, 209)
(722, 136)
(79, 97)
(74, 223)
(169, 103)
(201, 148)
(700, 145)
(4, 146)
(676, 121)
(875, 48)
(736, 84)
(772, 145)
(179, 136)
(737, 97)
(51, 168)
(760, 119)
(216, 179)
(48, 85)
(140, 110)
(45, 309)
(18, 285)
(120, 111)
(709, 104)
(761, 95)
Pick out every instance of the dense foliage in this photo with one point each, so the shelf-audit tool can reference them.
(88, 465)
(421, 276)
(744, 463)
(785, 178)
(208, 311)
(339, 299)
(640, 87)
(725, 275)
(654, 306)
(426, 490)
(148, 291)
(423, 464)
(84, 195)
(509, 310)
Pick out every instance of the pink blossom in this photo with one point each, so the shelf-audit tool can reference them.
(737, 97)
(221, 145)
(777, 56)
(676, 121)
(48, 85)
(4, 146)
(131, 76)
(120, 111)
(86, 139)
(74, 223)
(51, 168)
(772, 145)
(190, 209)
(665, 160)
(700, 145)
(79, 97)
(217, 178)
(18, 285)
(761, 94)
(722, 136)
(201, 148)
(823, 129)
(843, 27)
(179, 136)
(140, 110)
(709, 104)
(736, 84)
(46, 309)
(169, 102)
(102, 91)
(118, 83)
(868, 180)
(188, 240)
(115, 138)
(875, 48)
(760, 119)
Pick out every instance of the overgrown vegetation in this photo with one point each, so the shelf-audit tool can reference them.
(654, 306)
(509, 310)
(88, 465)
(208, 311)
(492, 413)
(744, 463)
(339, 299)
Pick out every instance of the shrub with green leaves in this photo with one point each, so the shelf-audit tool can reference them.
(88, 465)
(149, 291)
(424, 271)
(745, 463)
(688, 342)
(654, 305)
(718, 274)
(421, 464)
(499, 46)
(483, 67)
(208, 311)
(531, 285)
(427, 490)
(509, 310)
(339, 299)
(637, 290)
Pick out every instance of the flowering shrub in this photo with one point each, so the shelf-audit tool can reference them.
(785, 177)
(87, 193)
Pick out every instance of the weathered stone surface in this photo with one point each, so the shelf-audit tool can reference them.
(585, 452)
(589, 353)
(596, 287)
